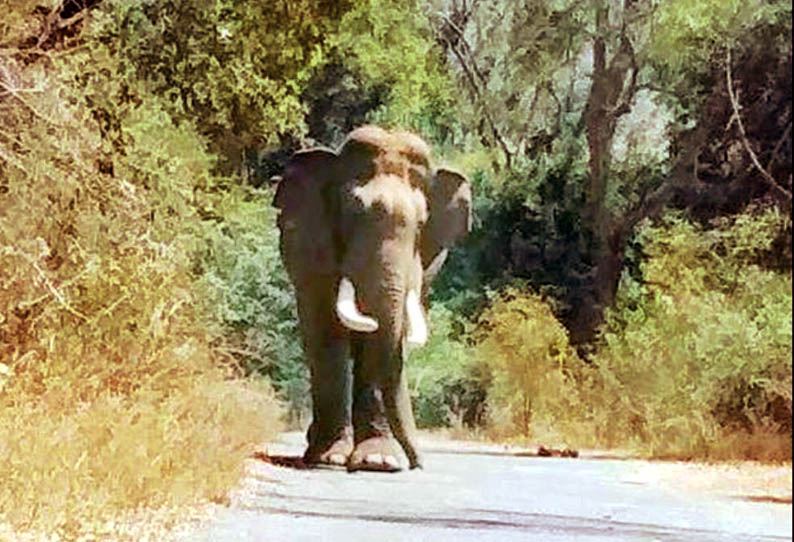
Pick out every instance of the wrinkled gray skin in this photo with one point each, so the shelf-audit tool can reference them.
(376, 213)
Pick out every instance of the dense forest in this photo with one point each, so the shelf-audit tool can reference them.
(627, 282)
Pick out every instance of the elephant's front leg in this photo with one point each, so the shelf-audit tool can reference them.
(330, 435)
(374, 449)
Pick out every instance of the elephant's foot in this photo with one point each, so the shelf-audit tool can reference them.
(374, 454)
(335, 454)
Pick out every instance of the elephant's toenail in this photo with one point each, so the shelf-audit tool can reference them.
(337, 459)
(373, 459)
(391, 462)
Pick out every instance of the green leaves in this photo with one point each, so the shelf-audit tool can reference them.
(440, 375)
(690, 32)
(251, 299)
(714, 339)
(390, 44)
(239, 67)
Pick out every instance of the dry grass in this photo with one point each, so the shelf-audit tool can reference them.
(70, 465)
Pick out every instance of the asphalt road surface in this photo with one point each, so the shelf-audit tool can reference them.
(469, 493)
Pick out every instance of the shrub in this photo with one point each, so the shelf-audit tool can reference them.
(111, 395)
(252, 299)
(694, 361)
(535, 374)
(696, 356)
(445, 387)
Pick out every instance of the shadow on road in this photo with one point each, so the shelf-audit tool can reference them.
(766, 499)
(290, 461)
(532, 524)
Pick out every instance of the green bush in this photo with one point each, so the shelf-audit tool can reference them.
(253, 300)
(535, 375)
(694, 361)
(445, 388)
(697, 352)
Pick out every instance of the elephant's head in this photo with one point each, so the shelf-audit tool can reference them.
(377, 216)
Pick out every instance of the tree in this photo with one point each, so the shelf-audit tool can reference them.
(557, 87)
(237, 68)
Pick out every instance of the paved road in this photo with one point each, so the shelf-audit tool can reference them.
(487, 496)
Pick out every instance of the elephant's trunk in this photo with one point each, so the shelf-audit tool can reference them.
(402, 321)
(397, 403)
(399, 316)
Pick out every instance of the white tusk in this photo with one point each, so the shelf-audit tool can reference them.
(347, 311)
(417, 327)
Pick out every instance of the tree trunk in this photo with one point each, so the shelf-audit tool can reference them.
(610, 97)
(599, 130)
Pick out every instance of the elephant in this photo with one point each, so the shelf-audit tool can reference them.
(363, 231)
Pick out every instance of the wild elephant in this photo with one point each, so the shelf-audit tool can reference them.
(363, 231)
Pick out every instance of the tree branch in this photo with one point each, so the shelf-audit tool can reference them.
(779, 144)
(16, 94)
(476, 89)
(49, 24)
(735, 103)
(616, 67)
(457, 30)
(653, 200)
(54, 22)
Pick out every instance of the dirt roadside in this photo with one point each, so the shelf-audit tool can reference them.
(739, 479)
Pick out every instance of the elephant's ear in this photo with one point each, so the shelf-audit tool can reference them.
(307, 243)
(450, 213)
(306, 171)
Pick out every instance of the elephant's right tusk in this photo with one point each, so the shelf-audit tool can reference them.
(417, 326)
(347, 311)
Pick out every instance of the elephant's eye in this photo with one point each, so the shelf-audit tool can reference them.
(382, 213)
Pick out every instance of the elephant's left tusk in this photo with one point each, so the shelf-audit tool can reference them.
(417, 326)
(347, 311)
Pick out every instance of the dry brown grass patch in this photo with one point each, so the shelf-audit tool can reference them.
(71, 465)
